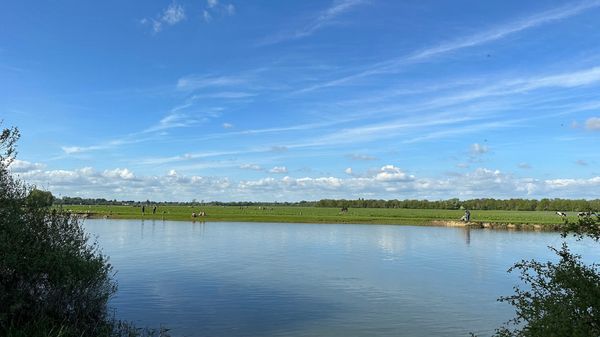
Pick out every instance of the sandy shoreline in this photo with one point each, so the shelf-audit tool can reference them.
(495, 225)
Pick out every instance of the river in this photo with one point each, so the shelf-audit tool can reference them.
(279, 279)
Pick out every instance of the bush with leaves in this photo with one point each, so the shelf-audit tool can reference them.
(51, 276)
(558, 299)
(54, 281)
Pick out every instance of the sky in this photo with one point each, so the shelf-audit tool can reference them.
(304, 100)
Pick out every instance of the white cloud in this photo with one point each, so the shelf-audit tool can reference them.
(216, 9)
(119, 173)
(581, 162)
(392, 173)
(227, 125)
(172, 15)
(593, 124)
(348, 170)
(478, 149)
(77, 149)
(279, 169)
(566, 184)
(251, 167)
(387, 183)
(361, 157)
(20, 166)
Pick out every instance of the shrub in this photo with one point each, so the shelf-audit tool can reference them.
(54, 281)
(558, 299)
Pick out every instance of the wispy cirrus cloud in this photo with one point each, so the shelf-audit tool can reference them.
(194, 82)
(178, 117)
(492, 34)
(175, 118)
(524, 166)
(360, 157)
(319, 21)
(226, 95)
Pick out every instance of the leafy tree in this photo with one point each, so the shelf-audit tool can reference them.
(38, 198)
(54, 281)
(51, 275)
(558, 299)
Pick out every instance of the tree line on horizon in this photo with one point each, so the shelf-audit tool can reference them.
(573, 205)
(515, 204)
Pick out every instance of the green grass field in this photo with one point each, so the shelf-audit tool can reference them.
(317, 214)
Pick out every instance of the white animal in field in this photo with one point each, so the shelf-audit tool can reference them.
(561, 214)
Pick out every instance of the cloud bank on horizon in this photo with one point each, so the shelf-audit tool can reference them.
(228, 100)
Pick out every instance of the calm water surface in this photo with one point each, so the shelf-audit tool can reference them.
(271, 279)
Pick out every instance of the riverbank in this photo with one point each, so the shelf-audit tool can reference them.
(517, 220)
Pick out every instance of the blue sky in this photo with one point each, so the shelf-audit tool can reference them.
(282, 100)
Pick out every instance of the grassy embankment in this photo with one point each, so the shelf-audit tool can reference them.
(324, 215)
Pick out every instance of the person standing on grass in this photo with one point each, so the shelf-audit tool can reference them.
(143, 209)
(467, 215)
(154, 209)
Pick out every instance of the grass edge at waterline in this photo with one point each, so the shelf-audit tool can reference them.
(527, 220)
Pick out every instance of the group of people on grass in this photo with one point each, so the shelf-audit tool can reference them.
(144, 209)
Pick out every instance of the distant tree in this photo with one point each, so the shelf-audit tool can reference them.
(38, 198)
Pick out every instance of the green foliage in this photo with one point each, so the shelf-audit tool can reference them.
(38, 198)
(558, 299)
(485, 204)
(472, 204)
(50, 274)
(8, 139)
(54, 281)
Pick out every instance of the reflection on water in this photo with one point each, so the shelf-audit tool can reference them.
(467, 231)
(255, 279)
